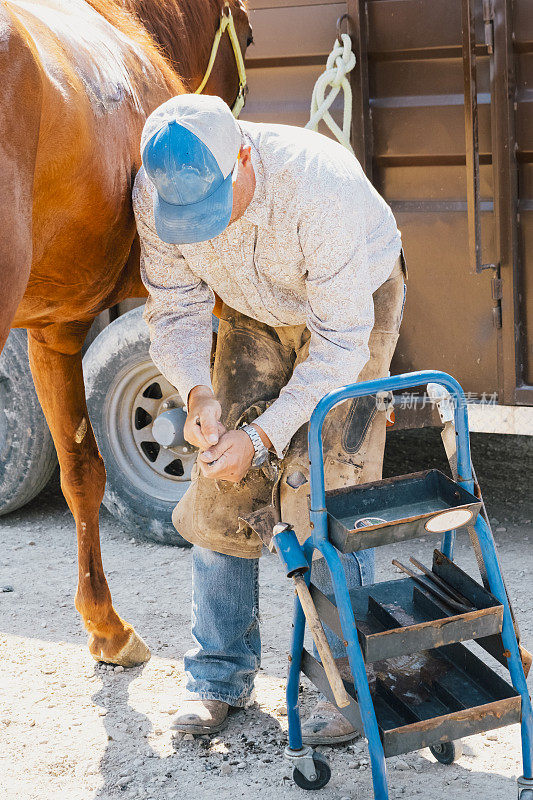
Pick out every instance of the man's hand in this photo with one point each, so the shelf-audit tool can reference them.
(203, 428)
(230, 459)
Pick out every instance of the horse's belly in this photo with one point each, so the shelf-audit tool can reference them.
(46, 303)
(77, 274)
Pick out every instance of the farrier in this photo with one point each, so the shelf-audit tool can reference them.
(305, 255)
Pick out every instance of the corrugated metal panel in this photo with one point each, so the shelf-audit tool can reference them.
(291, 44)
(294, 31)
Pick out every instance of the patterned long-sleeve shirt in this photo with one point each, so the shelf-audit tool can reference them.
(312, 247)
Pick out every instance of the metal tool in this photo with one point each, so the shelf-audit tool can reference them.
(279, 537)
(433, 589)
(285, 541)
(443, 585)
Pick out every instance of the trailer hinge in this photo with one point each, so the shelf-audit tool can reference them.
(496, 286)
(488, 19)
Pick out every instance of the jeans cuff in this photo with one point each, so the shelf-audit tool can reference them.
(235, 702)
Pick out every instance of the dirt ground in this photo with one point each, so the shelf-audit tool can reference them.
(70, 728)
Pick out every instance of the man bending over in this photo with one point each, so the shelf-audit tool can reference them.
(282, 224)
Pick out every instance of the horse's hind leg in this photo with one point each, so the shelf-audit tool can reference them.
(55, 360)
(20, 112)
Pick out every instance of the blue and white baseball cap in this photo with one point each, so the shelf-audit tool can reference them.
(189, 149)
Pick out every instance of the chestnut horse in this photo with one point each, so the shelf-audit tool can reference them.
(78, 81)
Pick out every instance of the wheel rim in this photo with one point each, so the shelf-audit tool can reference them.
(137, 396)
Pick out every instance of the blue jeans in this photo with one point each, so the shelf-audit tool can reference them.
(225, 620)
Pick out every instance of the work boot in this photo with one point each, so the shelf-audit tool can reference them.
(201, 716)
(326, 725)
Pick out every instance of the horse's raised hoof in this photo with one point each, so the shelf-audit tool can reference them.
(134, 652)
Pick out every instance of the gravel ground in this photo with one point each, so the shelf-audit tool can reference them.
(70, 728)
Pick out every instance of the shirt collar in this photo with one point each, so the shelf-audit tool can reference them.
(257, 212)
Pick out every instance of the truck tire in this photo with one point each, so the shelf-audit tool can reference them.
(125, 394)
(27, 454)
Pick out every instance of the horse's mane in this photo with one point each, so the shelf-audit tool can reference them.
(123, 15)
(176, 33)
(170, 21)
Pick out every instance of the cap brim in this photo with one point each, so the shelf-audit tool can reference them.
(197, 222)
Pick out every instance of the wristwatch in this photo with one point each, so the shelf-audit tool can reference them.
(261, 453)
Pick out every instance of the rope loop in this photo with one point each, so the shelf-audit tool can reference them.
(340, 62)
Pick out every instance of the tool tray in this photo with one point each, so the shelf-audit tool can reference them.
(399, 617)
(409, 683)
(406, 504)
(427, 698)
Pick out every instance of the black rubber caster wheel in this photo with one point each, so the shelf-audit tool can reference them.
(323, 774)
(447, 752)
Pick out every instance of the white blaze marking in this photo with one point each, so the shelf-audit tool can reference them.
(79, 436)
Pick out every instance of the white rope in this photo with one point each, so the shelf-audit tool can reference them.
(340, 62)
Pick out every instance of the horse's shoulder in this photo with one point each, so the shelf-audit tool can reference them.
(78, 49)
(14, 41)
(19, 68)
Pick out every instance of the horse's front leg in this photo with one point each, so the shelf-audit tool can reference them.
(55, 359)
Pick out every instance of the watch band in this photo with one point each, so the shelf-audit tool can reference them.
(261, 453)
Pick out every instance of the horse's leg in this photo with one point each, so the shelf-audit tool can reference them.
(55, 360)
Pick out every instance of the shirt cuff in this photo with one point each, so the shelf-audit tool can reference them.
(201, 379)
(185, 379)
(281, 421)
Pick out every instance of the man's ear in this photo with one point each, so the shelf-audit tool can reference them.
(246, 156)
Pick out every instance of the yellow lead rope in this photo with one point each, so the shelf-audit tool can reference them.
(227, 23)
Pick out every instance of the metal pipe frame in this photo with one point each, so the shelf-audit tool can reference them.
(514, 662)
(396, 383)
(319, 541)
(293, 679)
(357, 667)
(471, 134)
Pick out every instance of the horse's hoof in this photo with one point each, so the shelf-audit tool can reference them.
(131, 654)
